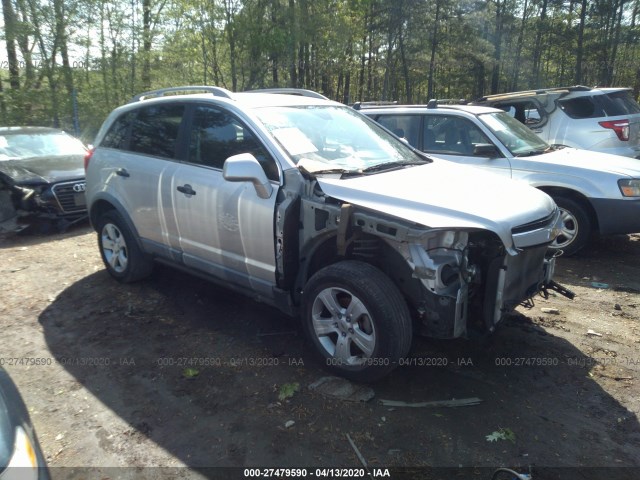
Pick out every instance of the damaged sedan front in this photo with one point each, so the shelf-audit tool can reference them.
(41, 176)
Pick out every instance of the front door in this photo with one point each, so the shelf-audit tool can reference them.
(224, 228)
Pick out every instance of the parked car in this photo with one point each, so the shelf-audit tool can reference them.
(600, 119)
(596, 192)
(41, 173)
(306, 205)
(20, 453)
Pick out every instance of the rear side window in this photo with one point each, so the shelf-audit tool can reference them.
(619, 103)
(608, 105)
(155, 130)
(118, 134)
(581, 107)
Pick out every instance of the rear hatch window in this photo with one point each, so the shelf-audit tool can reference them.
(611, 104)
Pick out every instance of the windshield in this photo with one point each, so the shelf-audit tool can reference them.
(22, 146)
(331, 138)
(518, 139)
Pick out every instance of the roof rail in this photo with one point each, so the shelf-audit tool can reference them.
(538, 91)
(290, 91)
(361, 105)
(434, 102)
(216, 91)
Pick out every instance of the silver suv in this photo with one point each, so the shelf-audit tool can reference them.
(596, 192)
(307, 205)
(600, 119)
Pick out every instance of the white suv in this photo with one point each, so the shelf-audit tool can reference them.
(600, 119)
(596, 192)
(305, 204)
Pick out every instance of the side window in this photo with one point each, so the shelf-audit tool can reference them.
(403, 126)
(117, 135)
(216, 135)
(453, 135)
(528, 113)
(155, 130)
(580, 107)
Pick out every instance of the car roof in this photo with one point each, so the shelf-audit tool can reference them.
(250, 99)
(471, 109)
(28, 130)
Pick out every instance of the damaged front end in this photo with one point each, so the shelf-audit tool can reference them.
(458, 282)
(470, 280)
(62, 204)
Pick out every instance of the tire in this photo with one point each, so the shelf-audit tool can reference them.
(119, 250)
(577, 226)
(364, 348)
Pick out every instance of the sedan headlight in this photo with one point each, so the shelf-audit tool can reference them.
(24, 463)
(630, 187)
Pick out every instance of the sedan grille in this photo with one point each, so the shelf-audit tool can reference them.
(70, 196)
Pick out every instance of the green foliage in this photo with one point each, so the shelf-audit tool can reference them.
(288, 390)
(350, 50)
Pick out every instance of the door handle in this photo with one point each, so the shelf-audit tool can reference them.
(122, 172)
(186, 189)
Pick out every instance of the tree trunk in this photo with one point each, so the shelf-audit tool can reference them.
(537, 52)
(10, 40)
(580, 46)
(61, 36)
(293, 70)
(516, 64)
(432, 58)
(146, 45)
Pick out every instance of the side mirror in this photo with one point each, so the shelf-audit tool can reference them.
(245, 168)
(485, 150)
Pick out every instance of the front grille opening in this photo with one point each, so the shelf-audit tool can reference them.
(70, 200)
(535, 225)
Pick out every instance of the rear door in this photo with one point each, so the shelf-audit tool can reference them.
(139, 154)
(224, 228)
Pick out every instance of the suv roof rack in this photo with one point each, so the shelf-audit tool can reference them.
(539, 91)
(386, 103)
(216, 91)
(290, 91)
(434, 102)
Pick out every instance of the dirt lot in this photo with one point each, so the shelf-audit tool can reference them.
(176, 372)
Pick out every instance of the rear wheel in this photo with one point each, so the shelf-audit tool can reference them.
(119, 250)
(357, 320)
(577, 226)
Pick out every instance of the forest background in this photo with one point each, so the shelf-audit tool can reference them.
(68, 63)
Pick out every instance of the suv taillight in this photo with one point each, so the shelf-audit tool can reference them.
(621, 127)
(87, 157)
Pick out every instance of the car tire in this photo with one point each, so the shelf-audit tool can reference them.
(119, 250)
(577, 226)
(369, 346)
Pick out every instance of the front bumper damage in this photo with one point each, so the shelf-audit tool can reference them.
(20, 206)
(471, 281)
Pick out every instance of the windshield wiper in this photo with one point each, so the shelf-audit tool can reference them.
(394, 165)
(328, 171)
(531, 153)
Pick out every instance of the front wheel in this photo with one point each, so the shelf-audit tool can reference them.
(577, 226)
(357, 320)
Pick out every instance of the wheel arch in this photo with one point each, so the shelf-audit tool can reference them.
(324, 252)
(577, 197)
(106, 203)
